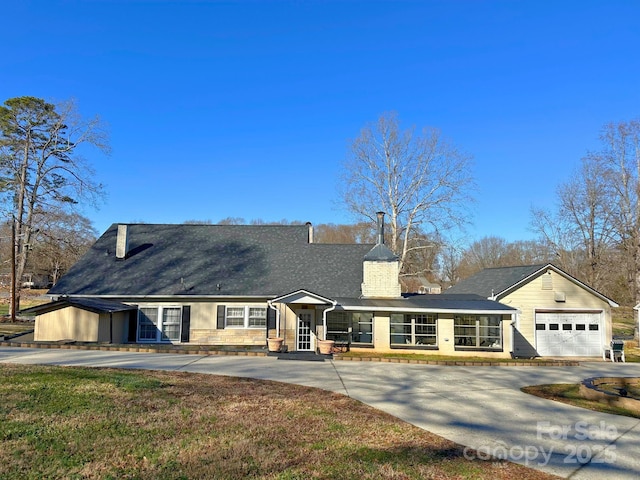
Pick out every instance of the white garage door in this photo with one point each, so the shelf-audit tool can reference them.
(564, 334)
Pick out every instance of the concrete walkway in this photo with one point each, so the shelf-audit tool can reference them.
(479, 407)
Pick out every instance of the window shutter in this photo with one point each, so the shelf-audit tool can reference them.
(271, 318)
(221, 311)
(186, 323)
(133, 325)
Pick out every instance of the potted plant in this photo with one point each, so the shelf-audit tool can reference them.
(275, 344)
(326, 346)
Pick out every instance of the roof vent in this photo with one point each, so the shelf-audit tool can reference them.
(560, 296)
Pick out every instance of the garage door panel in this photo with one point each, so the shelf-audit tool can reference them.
(568, 334)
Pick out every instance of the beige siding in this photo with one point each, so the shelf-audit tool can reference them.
(67, 324)
(120, 329)
(73, 323)
(542, 293)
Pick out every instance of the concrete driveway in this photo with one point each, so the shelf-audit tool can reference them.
(479, 407)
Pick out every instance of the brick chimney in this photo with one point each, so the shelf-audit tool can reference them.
(122, 241)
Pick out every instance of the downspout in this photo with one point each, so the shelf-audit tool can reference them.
(515, 327)
(277, 310)
(324, 317)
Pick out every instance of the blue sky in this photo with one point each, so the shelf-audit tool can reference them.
(246, 109)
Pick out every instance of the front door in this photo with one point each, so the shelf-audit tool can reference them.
(304, 330)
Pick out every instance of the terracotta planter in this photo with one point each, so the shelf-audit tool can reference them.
(275, 344)
(325, 346)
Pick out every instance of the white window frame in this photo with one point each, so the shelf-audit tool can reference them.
(416, 338)
(473, 331)
(352, 323)
(247, 316)
(160, 323)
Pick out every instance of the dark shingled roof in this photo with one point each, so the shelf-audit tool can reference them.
(95, 305)
(493, 281)
(244, 260)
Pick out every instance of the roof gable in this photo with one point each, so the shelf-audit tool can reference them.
(303, 296)
(495, 283)
(491, 282)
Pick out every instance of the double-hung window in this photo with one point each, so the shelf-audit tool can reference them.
(159, 324)
(478, 331)
(414, 330)
(245, 317)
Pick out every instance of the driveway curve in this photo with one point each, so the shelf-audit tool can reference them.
(479, 407)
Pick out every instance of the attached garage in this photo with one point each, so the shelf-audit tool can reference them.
(569, 334)
(558, 315)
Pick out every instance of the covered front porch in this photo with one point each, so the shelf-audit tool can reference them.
(300, 322)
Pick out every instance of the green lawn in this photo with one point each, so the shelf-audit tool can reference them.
(63, 422)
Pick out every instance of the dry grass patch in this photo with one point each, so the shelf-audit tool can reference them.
(8, 328)
(631, 351)
(61, 422)
(624, 320)
(569, 393)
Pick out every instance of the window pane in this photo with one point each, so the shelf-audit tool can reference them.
(400, 339)
(147, 321)
(593, 326)
(400, 328)
(337, 327)
(362, 337)
(400, 332)
(478, 331)
(235, 317)
(337, 322)
(362, 326)
(413, 329)
(465, 330)
(257, 317)
(171, 323)
(425, 329)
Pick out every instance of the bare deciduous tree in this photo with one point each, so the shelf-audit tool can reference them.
(363, 232)
(422, 181)
(594, 230)
(492, 252)
(61, 240)
(621, 155)
(41, 166)
(583, 228)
